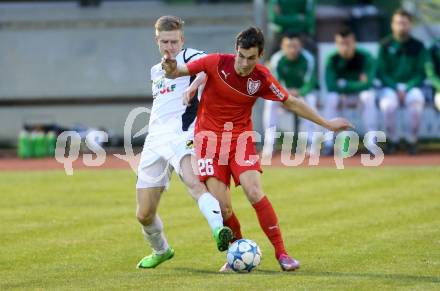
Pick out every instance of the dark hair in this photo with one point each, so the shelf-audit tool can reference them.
(404, 13)
(345, 31)
(250, 37)
(168, 23)
(291, 35)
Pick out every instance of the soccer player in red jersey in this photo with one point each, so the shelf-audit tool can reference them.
(224, 128)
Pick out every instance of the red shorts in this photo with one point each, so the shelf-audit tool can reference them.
(218, 159)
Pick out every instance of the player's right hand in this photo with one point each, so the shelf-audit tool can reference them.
(169, 64)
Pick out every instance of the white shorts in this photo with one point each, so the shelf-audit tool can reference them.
(159, 160)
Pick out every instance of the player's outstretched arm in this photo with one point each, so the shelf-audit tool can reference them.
(189, 92)
(171, 68)
(298, 106)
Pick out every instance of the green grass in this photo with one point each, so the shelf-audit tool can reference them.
(369, 229)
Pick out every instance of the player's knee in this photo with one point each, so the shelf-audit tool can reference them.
(195, 186)
(253, 193)
(226, 209)
(145, 217)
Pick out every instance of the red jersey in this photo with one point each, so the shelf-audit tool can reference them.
(229, 97)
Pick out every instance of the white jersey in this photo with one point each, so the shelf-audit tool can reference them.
(169, 117)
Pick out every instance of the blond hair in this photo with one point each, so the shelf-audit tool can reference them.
(169, 23)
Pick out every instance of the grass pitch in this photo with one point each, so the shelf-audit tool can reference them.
(351, 229)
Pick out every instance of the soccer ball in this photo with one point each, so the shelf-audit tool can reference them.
(243, 255)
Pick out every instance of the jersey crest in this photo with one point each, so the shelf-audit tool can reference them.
(253, 86)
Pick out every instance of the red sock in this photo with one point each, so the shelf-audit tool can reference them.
(233, 223)
(269, 223)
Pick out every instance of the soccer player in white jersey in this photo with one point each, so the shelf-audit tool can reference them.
(168, 146)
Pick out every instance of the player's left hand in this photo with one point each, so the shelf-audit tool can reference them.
(187, 96)
(339, 124)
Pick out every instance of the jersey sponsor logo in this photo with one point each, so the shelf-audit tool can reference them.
(253, 86)
(159, 83)
(277, 91)
(168, 89)
(161, 88)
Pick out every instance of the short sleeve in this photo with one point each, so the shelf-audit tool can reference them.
(190, 54)
(272, 90)
(205, 64)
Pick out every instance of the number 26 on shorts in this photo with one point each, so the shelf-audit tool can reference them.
(205, 167)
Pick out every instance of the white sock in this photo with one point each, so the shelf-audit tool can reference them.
(153, 233)
(210, 208)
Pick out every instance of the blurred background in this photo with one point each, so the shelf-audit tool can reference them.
(84, 64)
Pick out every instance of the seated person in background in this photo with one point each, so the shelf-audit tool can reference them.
(433, 70)
(349, 74)
(400, 68)
(295, 68)
(296, 16)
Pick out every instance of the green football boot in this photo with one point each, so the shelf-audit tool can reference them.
(154, 260)
(223, 236)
